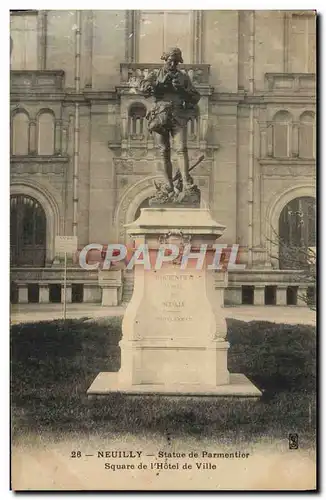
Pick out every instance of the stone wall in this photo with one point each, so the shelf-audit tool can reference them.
(251, 57)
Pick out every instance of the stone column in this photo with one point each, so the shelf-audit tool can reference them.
(88, 50)
(259, 295)
(41, 30)
(57, 140)
(203, 119)
(263, 141)
(137, 126)
(269, 136)
(295, 140)
(64, 139)
(302, 293)
(22, 293)
(109, 296)
(68, 294)
(44, 294)
(92, 294)
(124, 132)
(233, 296)
(281, 296)
(32, 138)
(110, 282)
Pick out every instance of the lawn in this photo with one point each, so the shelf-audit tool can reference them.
(52, 366)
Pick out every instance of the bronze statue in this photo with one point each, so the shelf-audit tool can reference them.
(175, 103)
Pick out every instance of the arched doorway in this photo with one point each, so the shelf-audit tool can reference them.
(27, 232)
(144, 204)
(297, 232)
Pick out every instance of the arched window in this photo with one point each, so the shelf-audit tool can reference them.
(27, 232)
(45, 128)
(137, 113)
(282, 128)
(307, 135)
(20, 133)
(297, 232)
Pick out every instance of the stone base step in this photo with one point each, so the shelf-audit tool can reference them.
(107, 383)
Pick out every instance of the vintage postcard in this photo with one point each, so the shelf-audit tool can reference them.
(163, 250)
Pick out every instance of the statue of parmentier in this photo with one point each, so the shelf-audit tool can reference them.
(175, 103)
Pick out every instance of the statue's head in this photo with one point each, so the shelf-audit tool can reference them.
(172, 58)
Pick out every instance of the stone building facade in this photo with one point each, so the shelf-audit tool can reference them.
(82, 162)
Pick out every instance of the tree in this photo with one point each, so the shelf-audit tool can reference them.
(294, 245)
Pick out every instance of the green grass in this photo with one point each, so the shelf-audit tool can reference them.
(53, 365)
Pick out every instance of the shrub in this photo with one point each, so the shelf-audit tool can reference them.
(276, 357)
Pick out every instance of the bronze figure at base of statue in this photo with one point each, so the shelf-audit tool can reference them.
(182, 196)
(176, 102)
(187, 198)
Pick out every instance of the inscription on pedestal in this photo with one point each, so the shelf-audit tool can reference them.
(174, 305)
(174, 318)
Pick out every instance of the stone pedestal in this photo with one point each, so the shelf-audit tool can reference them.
(259, 296)
(44, 297)
(68, 294)
(92, 293)
(22, 293)
(281, 296)
(173, 340)
(233, 296)
(110, 282)
(109, 296)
